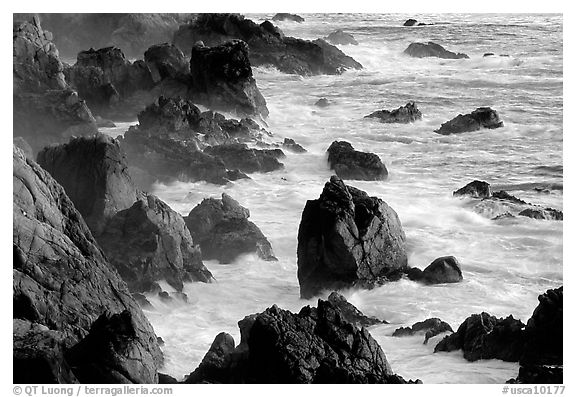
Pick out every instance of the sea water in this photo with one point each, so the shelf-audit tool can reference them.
(506, 264)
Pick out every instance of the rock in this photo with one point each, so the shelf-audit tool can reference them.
(166, 61)
(476, 189)
(313, 346)
(165, 297)
(483, 337)
(505, 196)
(431, 327)
(222, 79)
(430, 49)
(149, 242)
(268, 45)
(142, 301)
(282, 16)
(445, 269)
(350, 313)
(488, 54)
(104, 123)
(542, 213)
(339, 37)
(222, 228)
(62, 284)
(239, 156)
(94, 175)
(214, 365)
(352, 164)
(290, 144)
(410, 22)
(347, 238)
(322, 103)
(164, 379)
(404, 114)
(480, 118)
(21, 144)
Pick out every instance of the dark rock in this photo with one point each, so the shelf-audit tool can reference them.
(164, 379)
(94, 175)
(322, 103)
(351, 314)
(290, 144)
(347, 238)
(222, 78)
(445, 269)
(503, 195)
(404, 114)
(214, 365)
(169, 115)
(476, 189)
(505, 215)
(142, 301)
(542, 213)
(352, 164)
(165, 297)
(160, 342)
(222, 228)
(282, 16)
(313, 346)
(539, 374)
(410, 22)
(431, 327)
(166, 61)
(339, 37)
(149, 242)
(239, 156)
(268, 45)
(480, 118)
(488, 54)
(62, 284)
(430, 49)
(482, 336)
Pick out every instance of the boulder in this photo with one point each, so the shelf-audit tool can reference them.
(317, 345)
(222, 79)
(148, 242)
(214, 365)
(353, 164)
(404, 114)
(480, 118)
(350, 313)
(94, 174)
(322, 103)
(268, 45)
(291, 145)
(410, 22)
(347, 238)
(445, 269)
(62, 284)
(222, 229)
(240, 156)
(166, 61)
(430, 49)
(484, 337)
(431, 327)
(283, 16)
(476, 189)
(542, 213)
(339, 37)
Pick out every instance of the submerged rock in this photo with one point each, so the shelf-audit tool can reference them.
(430, 49)
(404, 114)
(353, 164)
(283, 16)
(316, 345)
(62, 284)
(268, 45)
(322, 103)
(480, 118)
(476, 189)
(347, 238)
(222, 229)
(339, 37)
(351, 314)
(431, 327)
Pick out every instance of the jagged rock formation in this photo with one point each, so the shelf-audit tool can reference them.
(222, 229)
(480, 118)
(404, 114)
(353, 164)
(350, 313)
(166, 61)
(62, 284)
(240, 156)
(430, 49)
(430, 327)
(267, 44)
(347, 238)
(476, 189)
(445, 269)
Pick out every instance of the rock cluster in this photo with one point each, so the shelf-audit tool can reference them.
(430, 327)
(353, 164)
(404, 114)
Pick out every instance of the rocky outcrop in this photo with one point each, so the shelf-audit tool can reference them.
(94, 174)
(222, 229)
(24, 146)
(339, 37)
(413, 22)
(268, 45)
(45, 109)
(430, 49)
(445, 269)
(480, 118)
(430, 327)
(542, 213)
(350, 313)
(291, 145)
(166, 61)
(283, 16)
(404, 114)
(317, 345)
(240, 156)
(322, 103)
(476, 189)
(353, 164)
(222, 78)
(62, 284)
(148, 242)
(347, 238)
(482, 337)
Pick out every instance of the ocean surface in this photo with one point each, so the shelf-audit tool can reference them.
(506, 264)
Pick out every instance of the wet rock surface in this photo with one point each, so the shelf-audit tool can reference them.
(240, 156)
(445, 269)
(430, 49)
(353, 164)
(483, 117)
(476, 189)
(350, 313)
(429, 327)
(283, 16)
(339, 37)
(404, 114)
